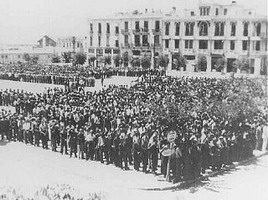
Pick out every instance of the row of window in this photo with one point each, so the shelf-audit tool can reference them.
(218, 44)
(219, 29)
(137, 40)
(126, 26)
(205, 11)
(70, 44)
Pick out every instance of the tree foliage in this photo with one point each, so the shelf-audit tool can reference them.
(220, 64)
(67, 56)
(79, 58)
(117, 60)
(201, 63)
(242, 63)
(179, 61)
(125, 58)
(163, 61)
(145, 62)
(55, 59)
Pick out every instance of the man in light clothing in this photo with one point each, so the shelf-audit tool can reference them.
(264, 137)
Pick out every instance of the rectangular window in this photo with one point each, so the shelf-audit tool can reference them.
(232, 45)
(177, 44)
(18, 56)
(157, 25)
(116, 43)
(218, 44)
(188, 44)
(126, 25)
(167, 29)
(126, 40)
(156, 39)
(77, 45)
(192, 13)
(189, 29)
(258, 46)
(137, 25)
(225, 11)
(177, 29)
(219, 29)
(245, 32)
(145, 40)
(166, 44)
(203, 44)
(116, 30)
(233, 29)
(244, 45)
(146, 26)
(99, 28)
(137, 40)
(217, 11)
(91, 41)
(108, 28)
(99, 40)
(258, 29)
(91, 27)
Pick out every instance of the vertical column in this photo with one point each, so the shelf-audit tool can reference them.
(208, 63)
(170, 62)
(112, 58)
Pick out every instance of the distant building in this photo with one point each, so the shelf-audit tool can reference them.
(213, 31)
(70, 44)
(14, 53)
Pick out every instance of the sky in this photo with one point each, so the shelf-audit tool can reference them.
(26, 21)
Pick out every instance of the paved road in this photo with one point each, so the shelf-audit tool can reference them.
(29, 168)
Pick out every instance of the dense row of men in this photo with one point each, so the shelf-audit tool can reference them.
(64, 75)
(122, 126)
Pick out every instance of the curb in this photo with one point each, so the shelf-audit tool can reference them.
(181, 184)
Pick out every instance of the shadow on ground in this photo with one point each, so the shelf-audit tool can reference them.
(3, 142)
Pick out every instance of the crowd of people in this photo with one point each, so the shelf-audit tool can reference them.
(215, 122)
(66, 74)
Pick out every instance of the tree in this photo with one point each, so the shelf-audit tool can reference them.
(34, 59)
(163, 61)
(201, 63)
(107, 60)
(220, 64)
(67, 56)
(125, 58)
(26, 57)
(136, 62)
(55, 59)
(117, 60)
(242, 63)
(179, 61)
(145, 62)
(79, 58)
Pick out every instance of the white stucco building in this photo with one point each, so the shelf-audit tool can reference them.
(212, 30)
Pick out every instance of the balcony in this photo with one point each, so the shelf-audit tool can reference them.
(188, 51)
(107, 33)
(218, 51)
(91, 32)
(125, 31)
(203, 51)
(99, 33)
(146, 45)
(145, 31)
(116, 33)
(156, 31)
(126, 45)
(137, 31)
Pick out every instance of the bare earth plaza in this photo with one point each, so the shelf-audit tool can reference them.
(161, 100)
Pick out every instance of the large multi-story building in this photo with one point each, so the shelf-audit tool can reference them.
(213, 31)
